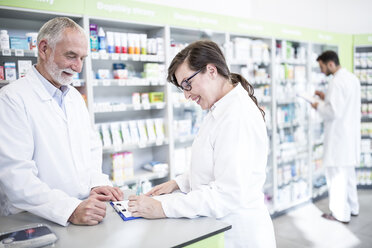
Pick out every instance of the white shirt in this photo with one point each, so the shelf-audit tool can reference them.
(341, 113)
(57, 94)
(227, 172)
(49, 161)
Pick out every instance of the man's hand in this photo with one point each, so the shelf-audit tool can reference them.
(320, 94)
(144, 206)
(114, 193)
(90, 211)
(315, 105)
(164, 188)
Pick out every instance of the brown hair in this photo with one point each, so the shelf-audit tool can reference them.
(198, 54)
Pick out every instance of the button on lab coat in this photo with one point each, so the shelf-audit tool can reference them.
(48, 160)
(341, 113)
(227, 173)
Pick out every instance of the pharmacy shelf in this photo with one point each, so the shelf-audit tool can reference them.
(128, 82)
(316, 131)
(109, 108)
(123, 57)
(128, 147)
(185, 139)
(188, 104)
(76, 83)
(18, 53)
(362, 69)
(142, 175)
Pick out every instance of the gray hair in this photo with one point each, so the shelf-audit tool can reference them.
(53, 29)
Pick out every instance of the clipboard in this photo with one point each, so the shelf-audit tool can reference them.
(308, 98)
(121, 207)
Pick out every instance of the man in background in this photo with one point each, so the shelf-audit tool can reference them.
(50, 158)
(340, 110)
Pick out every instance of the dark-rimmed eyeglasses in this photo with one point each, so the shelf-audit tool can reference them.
(185, 84)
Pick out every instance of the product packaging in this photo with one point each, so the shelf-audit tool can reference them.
(116, 133)
(145, 98)
(159, 129)
(93, 35)
(117, 40)
(32, 40)
(142, 131)
(136, 99)
(124, 42)
(4, 39)
(10, 71)
(150, 127)
(110, 42)
(156, 97)
(19, 43)
(125, 133)
(143, 43)
(119, 71)
(23, 67)
(134, 132)
(106, 137)
(103, 74)
(2, 73)
(101, 40)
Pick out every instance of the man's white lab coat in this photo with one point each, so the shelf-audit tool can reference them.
(227, 173)
(341, 113)
(48, 160)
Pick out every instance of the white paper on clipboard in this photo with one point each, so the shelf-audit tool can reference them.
(307, 97)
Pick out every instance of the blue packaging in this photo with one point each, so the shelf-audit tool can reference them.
(19, 43)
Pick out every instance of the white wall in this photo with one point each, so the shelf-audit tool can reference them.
(342, 16)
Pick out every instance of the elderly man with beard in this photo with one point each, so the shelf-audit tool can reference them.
(50, 157)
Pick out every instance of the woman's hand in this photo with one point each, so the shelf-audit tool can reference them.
(164, 188)
(144, 206)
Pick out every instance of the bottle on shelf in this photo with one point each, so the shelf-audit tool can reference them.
(4, 39)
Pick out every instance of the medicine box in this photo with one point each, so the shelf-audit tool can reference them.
(2, 73)
(10, 71)
(156, 97)
(23, 67)
(19, 43)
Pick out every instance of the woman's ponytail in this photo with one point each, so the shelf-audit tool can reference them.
(236, 78)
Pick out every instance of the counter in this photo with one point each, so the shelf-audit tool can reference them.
(114, 232)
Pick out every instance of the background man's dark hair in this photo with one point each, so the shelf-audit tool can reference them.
(327, 56)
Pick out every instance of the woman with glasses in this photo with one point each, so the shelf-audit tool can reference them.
(229, 153)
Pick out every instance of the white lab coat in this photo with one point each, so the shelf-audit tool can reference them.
(341, 113)
(48, 160)
(227, 173)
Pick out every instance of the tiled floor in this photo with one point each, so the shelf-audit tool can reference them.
(303, 226)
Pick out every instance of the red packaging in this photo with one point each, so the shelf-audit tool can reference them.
(2, 73)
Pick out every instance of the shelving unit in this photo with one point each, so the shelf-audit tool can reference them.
(363, 70)
(277, 69)
(318, 81)
(126, 100)
(251, 56)
(291, 138)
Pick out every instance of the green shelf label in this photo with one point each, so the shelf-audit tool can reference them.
(65, 6)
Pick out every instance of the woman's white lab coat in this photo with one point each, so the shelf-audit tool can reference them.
(227, 173)
(48, 160)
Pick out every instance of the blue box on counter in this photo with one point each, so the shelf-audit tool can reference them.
(19, 43)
